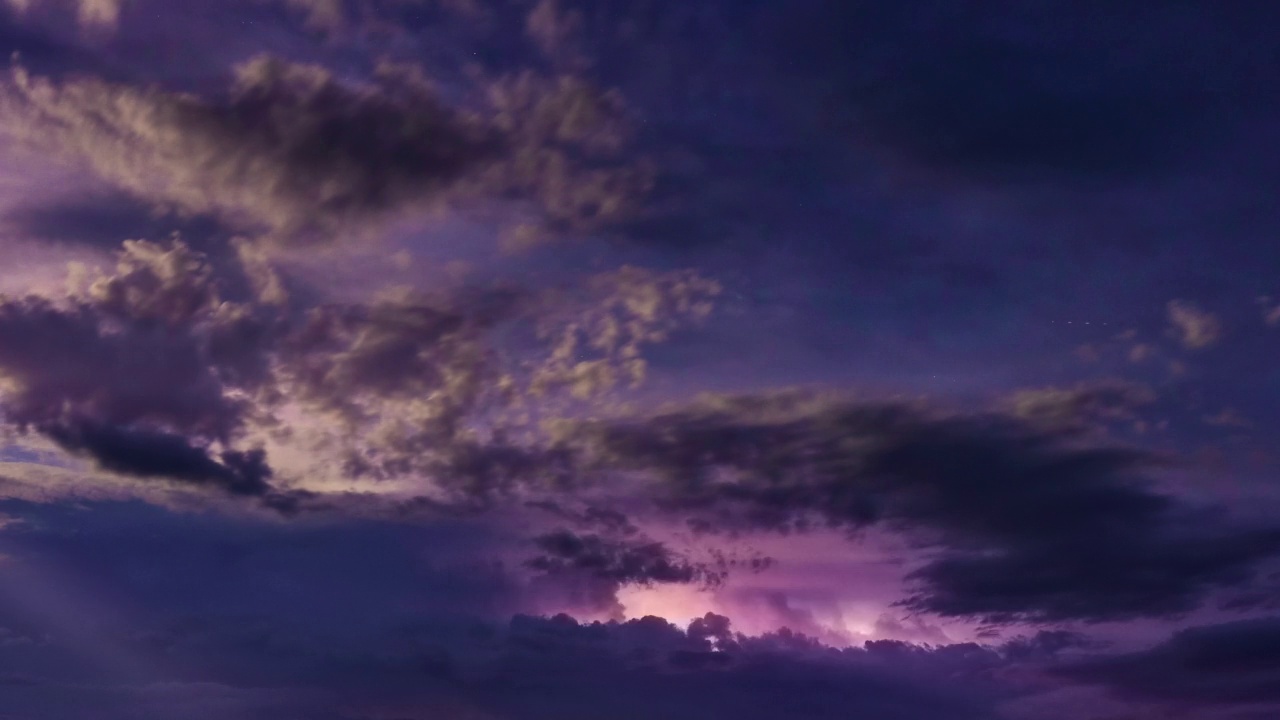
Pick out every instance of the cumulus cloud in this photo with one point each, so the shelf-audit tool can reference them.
(411, 374)
(617, 315)
(1192, 326)
(165, 367)
(141, 370)
(152, 343)
(1019, 522)
(295, 151)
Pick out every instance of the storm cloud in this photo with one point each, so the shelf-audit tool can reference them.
(1233, 664)
(1017, 522)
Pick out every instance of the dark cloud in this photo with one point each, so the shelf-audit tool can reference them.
(648, 667)
(150, 454)
(1160, 571)
(243, 604)
(630, 561)
(588, 570)
(592, 517)
(149, 360)
(1018, 522)
(1232, 664)
(60, 362)
(101, 221)
(1045, 644)
(138, 370)
(1012, 90)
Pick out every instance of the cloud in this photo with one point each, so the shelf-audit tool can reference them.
(1193, 327)
(149, 454)
(321, 14)
(1227, 418)
(1080, 408)
(1013, 92)
(240, 603)
(294, 151)
(648, 667)
(141, 370)
(288, 147)
(171, 364)
(333, 16)
(1270, 310)
(592, 567)
(114, 358)
(1220, 666)
(629, 561)
(603, 519)
(1016, 522)
(97, 220)
(91, 13)
(410, 372)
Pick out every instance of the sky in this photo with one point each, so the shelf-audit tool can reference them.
(570, 360)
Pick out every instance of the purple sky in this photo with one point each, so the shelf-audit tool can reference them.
(554, 359)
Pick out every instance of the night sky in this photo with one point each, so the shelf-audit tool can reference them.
(662, 359)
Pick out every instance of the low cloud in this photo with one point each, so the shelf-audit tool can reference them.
(149, 454)
(1231, 664)
(238, 603)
